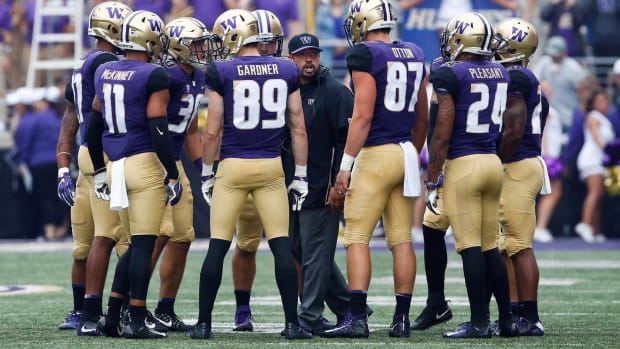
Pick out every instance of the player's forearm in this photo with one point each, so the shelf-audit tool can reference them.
(299, 142)
(66, 138)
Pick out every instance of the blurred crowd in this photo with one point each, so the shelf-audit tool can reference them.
(576, 61)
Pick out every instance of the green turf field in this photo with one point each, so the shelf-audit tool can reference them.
(579, 303)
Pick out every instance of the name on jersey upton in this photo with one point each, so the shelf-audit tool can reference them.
(110, 74)
(257, 69)
(486, 73)
(402, 52)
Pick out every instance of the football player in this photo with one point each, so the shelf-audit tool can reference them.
(471, 94)
(96, 229)
(390, 110)
(129, 122)
(249, 228)
(251, 99)
(434, 229)
(188, 53)
(515, 42)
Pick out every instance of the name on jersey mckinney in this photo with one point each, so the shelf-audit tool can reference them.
(257, 69)
(119, 75)
(486, 73)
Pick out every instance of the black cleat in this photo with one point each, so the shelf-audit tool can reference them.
(109, 327)
(400, 327)
(72, 321)
(468, 330)
(171, 322)
(89, 328)
(431, 317)
(154, 324)
(529, 328)
(243, 319)
(508, 328)
(142, 331)
(295, 331)
(201, 330)
(351, 327)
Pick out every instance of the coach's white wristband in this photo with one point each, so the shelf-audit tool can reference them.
(301, 171)
(207, 169)
(346, 164)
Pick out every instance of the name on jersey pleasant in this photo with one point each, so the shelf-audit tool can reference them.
(402, 52)
(486, 73)
(257, 69)
(119, 75)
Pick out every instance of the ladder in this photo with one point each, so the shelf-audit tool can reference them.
(54, 8)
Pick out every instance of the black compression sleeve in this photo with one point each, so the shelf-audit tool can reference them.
(95, 142)
(163, 145)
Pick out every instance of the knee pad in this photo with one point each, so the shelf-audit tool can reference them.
(80, 252)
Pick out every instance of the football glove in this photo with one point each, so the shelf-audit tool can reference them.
(174, 191)
(208, 182)
(431, 201)
(101, 186)
(66, 187)
(298, 190)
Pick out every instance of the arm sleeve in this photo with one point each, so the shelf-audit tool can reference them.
(163, 145)
(445, 82)
(93, 138)
(158, 80)
(69, 94)
(359, 58)
(520, 84)
(212, 78)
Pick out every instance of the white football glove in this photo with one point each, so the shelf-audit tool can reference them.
(298, 190)
(431, 201)
(208, 182)
(101, 185)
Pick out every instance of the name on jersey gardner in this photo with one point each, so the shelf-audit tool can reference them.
(119, 75)
(486, 73)
(257, 69)
(402, 52)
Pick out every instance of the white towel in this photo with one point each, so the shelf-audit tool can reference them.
(412, 170)
(118, 191)
(546, 187)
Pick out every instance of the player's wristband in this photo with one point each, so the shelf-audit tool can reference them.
(207, 169)
(62, 171)
(346, 164)
(301, 171)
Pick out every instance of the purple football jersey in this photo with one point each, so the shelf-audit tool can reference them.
(121, 87)
(398, 69)
(185, 95)
(83, 86)
(255, 91)
(479, 90)
(530, 145)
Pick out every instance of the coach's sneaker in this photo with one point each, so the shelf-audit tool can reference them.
(468, 330)
(171, 322)
(529, 328)
(72, 321)
(295, 331)
(109, 327)
(243, 319)
(88, 328)
(201, 330)
(142, 331)
(400, 326)
(432, 316)
(350, 327)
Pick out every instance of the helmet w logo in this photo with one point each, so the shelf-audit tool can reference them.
(176, 30)
(114, 12)
(356, 7)
(518, 35)
(460, 26)
(155, 25)
(229, 23)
